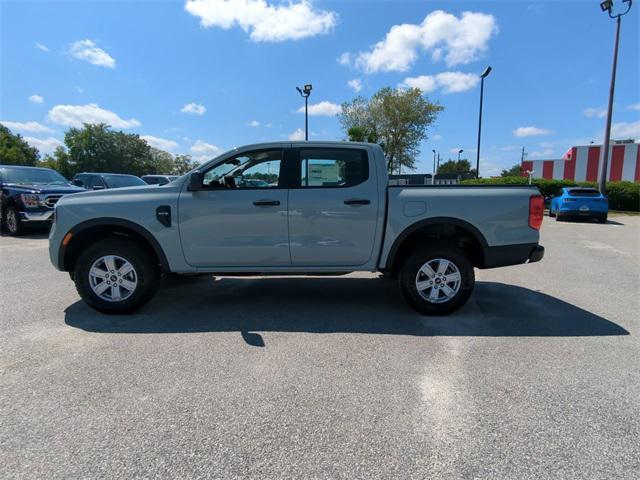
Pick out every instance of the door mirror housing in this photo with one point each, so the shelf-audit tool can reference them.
(195, 180)
(77, 183)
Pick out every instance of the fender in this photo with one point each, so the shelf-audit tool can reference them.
(117, 222)
(432, 221)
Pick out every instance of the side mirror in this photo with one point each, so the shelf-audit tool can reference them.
(195, 180)
(77, 183)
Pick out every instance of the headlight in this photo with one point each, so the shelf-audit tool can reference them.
(31, 200)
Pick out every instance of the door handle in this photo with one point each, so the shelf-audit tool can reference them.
(266, 203)
(357, 201)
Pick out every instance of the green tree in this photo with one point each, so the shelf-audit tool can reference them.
(59, 161)
(14, 150)
(514, 171)
(163, 162)
(396, 119)
(183, 164)
(461, 167)
(96, 148)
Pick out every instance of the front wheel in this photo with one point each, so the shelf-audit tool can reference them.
(12, 221)
(116, 276)
(437, 280)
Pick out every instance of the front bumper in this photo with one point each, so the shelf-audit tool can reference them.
(46, 216)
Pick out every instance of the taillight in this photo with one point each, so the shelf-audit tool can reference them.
(536, 211)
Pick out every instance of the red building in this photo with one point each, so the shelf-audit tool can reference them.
(583, 163)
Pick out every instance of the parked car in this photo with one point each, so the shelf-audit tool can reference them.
(28, 196)
(159, 179)
(331, 212)
(101, 181)
(580, 202)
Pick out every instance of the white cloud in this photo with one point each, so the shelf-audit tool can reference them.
(36, 99)
(76, 115)
(44, 145)
(448, 82)
(625, 130)
(595, 112)
(345, 59)
(457, 40)
(42, 47)
(531, 131)
(203, 151)
(322, 108)
(297, 135)
(635, 106)
(265, 22)
(436, 137)
(254, 123)
(161, 143)
(26, 126)
(355, 84)
(88, 51)
(194, 108)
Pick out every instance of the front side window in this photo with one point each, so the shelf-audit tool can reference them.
(333, 167)
(118, 181)
(259, 169)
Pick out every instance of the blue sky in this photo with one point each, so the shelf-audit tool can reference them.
(203, 76)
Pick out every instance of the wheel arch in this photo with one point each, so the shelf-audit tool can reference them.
(448, 229)
(91, 231)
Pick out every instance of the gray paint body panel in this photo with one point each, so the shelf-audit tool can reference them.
(311, 229)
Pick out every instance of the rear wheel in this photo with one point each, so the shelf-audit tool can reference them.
(437, 280)
(603, 218)
(116, 276)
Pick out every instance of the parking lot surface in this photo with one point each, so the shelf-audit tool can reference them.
(538, 376)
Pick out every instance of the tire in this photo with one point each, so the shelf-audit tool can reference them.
(412, 272)
(12, 222)
(558, 217)
(603, 219)
(551, 212)
(142, 280)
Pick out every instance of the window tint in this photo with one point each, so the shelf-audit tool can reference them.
(586, 192)
(118, 181)
(325, 167)
(94, 181)
(260, 169)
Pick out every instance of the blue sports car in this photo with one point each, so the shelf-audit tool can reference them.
(580, 202)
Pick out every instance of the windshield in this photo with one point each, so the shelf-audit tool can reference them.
(117, 181)
(32, 176)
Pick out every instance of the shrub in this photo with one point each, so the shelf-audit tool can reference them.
(622, 195)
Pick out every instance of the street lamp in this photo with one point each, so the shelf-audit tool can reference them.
(459, 152)
(305, 92)
(607, 6)
(434, 163)
(483, 75)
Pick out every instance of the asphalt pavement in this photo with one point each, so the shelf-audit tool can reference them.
(538, 376)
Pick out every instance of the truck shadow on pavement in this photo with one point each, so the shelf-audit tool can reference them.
(339, 305)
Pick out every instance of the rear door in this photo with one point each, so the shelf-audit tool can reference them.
(333, 207)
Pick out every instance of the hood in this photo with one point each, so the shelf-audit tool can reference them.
(45, 189)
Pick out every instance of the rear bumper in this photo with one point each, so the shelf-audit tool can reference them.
(506, 255)
(579, 214)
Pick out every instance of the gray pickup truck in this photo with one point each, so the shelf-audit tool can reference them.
(294, 208)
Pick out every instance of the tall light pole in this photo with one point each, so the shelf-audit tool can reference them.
(459, 152)
(606, 6)
(483, 75)
(305, 92)
(434, 162)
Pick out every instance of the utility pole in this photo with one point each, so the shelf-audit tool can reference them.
(305, 92)
(483, 75)
(606, 6)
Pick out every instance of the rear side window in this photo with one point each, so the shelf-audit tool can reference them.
(333, 167)
(584, 192)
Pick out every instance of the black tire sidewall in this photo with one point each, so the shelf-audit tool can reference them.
(18, 229)
(417, 259)
(146, 271)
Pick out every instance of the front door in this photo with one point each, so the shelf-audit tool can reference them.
(333, 209)
(239, 219)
